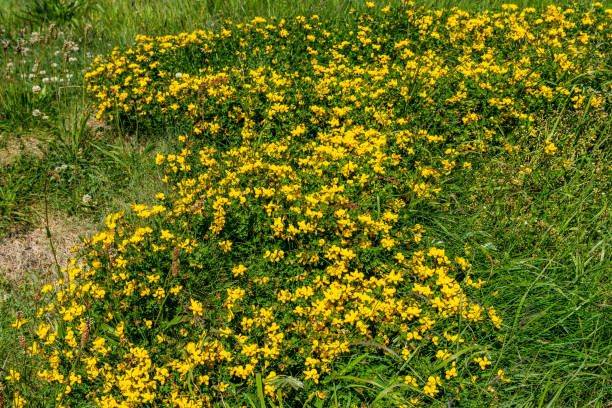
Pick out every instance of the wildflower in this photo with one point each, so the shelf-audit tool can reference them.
(483, 362)
(36, 89)
(13, 376)
(86, 198)
(431, 388)
(196, 307)
(18, 400)
(239, 270)
(35, 113)
(20, 321)
(550, 148)
(225, 246)
(312, 374)
(410, 380)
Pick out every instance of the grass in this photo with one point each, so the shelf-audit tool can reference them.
(542, 245)
(549, 268)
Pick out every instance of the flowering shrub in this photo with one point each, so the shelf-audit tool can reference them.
(290, 248)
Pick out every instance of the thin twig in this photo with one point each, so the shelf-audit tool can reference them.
(51, 173)
(377, 345)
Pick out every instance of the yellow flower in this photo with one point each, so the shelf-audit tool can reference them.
(410, 380)
(20, 321)
(500, 374)
(431, 388)
(196, 307)
(483, 362)
(225, 246)
(550, 148)
(13, 376)
(18, 401)
(452, 372)
(312, 374)
(239, 270)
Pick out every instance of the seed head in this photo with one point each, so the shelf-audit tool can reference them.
(85, 334)
(175, 261)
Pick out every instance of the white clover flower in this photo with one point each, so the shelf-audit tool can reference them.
(36, 89)
(35, 112)
(45, 80)
(31, 76)
(178, 75)
(45, 117)
(54, 65)
(57, 53)
(43, 72)
(72, 59)
(86, 198)
(75, 48)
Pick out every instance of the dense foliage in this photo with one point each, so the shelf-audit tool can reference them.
(290, 246)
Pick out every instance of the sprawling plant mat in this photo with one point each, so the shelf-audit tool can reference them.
(289, 265)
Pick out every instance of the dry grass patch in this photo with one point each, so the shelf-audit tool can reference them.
(13, 147)
(25, 252)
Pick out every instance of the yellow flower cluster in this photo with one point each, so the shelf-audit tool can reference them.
(289, 242)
